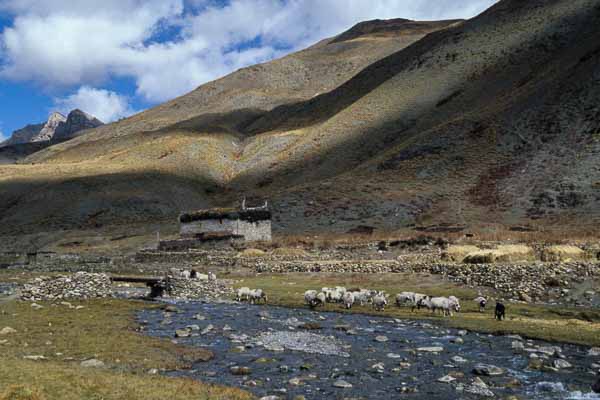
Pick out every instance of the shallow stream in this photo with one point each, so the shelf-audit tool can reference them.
(265, 350)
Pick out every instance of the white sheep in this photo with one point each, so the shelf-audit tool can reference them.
(243, 293)
(335, 296)
(362, 296)
(405, 298)
(257, 295)
(314, 298)
(454, 303)
(379, 302)
(348, 300)
(481, 301)
(410, 298)
(212, 276)
(444, 304)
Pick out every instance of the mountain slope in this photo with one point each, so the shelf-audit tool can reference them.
(492, 121)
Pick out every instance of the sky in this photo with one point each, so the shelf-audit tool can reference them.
(113, 58)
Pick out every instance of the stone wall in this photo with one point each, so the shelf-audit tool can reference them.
(252, 231)
(185, 288)
(81, 285)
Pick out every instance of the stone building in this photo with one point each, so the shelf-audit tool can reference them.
(253, 224)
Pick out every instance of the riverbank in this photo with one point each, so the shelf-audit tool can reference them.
(93, 350)
(552, 323)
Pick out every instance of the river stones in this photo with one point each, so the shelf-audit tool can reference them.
(446, 379)
(310, 326)
(381, 339)
(302, 341)
(561, 364)
(517, 346)
(459, 359)
(342, 384)
(594, 352)
(170, 309)
(488, 370)
(208, 329)
(182, 333)
(457, 340)
(378, 367)
(431, 349)
(477, 387)
(535, 364)
(295, 382)
(237, 370)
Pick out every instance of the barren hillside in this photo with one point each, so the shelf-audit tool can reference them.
(392, 124)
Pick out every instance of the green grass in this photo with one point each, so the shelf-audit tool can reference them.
(105, 330)
(569, 325)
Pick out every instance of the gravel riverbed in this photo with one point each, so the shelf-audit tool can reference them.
(295, 354)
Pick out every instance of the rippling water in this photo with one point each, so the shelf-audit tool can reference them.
(376, 370)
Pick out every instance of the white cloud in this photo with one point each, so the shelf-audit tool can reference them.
(105, 105)
(170, 46)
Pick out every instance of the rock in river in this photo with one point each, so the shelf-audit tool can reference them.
(487, 370)
(342, 384)
(561, 364)
(431, 349)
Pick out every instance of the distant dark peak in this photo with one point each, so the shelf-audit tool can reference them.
(390, 27)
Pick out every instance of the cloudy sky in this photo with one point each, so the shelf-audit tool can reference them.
(112, 58)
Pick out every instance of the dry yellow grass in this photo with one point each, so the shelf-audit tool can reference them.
(289, 251)
(503, 253)
(252, 253)
(563, 253)
(458, 253)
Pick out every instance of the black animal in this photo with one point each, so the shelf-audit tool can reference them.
(193, 274)
(500, 312)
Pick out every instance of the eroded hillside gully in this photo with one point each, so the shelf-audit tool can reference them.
(295, 353)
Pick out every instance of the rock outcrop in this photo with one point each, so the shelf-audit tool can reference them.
(57, 128)
(76, 122)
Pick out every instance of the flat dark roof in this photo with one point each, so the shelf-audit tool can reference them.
(250, 215)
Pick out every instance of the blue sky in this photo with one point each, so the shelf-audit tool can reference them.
(117, 57)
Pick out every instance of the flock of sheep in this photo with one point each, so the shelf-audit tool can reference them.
(251, 295)
(378, 299)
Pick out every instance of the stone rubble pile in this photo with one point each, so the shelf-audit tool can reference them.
(186, 288)
(81, 285)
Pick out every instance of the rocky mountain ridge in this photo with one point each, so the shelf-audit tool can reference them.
(56, 128)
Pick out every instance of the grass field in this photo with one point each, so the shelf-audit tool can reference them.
(104, 330)
(569, 325)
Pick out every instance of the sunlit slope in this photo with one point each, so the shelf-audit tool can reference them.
(491, 120)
